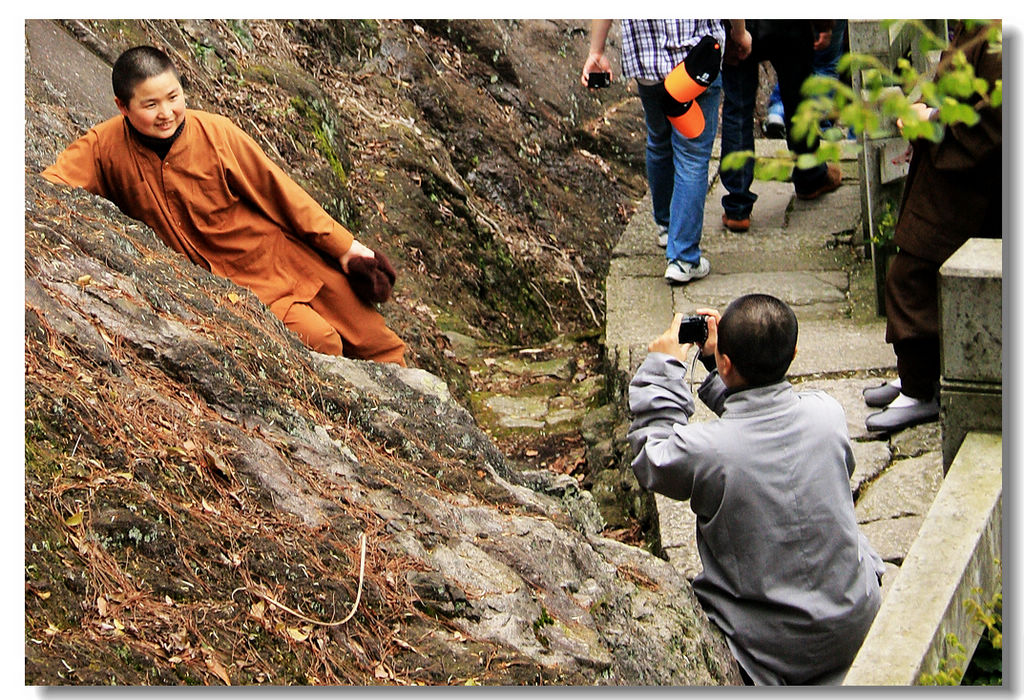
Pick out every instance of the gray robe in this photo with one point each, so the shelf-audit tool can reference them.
(788, 576)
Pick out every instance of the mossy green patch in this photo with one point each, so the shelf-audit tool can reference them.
(323, 132)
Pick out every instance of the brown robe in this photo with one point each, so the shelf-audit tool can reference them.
(953, 192)
(220, 201)
(954, 187)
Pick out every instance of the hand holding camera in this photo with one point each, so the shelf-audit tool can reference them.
(710, 343)
(700, 329)
(597, 70)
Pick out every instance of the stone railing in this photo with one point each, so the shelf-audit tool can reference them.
(971, 317)
(957, 556)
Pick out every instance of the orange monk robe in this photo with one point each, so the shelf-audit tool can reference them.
(220, 201)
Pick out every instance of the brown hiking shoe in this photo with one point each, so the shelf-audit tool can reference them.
(833, 178)
(736, 225)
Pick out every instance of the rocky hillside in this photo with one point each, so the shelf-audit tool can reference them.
(467, 151)
(207, 502)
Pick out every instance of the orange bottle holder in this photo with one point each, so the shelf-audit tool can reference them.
(690, 123)
(681, 86)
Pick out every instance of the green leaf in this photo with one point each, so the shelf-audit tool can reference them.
(859, 118)
(736, 160)
(773, 169)
(959, 81)
(817, 85)
(929, 93)
(996, 96)
(834, 133)
(829, 151)
(922, 130)
(806, 161)
(952, 112)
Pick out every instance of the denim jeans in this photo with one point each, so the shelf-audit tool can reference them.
(677, 171)
(791, 56)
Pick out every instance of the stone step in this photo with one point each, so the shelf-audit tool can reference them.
(640, 307)
(839, 345)
(777, 209)
(812, 294)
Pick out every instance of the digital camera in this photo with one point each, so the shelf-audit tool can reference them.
(693, 329)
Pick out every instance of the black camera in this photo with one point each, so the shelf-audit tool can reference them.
(599, 80)
(693, 329)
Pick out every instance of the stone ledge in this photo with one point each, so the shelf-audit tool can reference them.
(957, 550)
(965, 407)
(970, 307)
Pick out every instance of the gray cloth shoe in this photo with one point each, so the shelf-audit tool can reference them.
(879, 396)
(893, 419)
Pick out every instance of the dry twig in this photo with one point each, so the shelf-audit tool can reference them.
(321, 623)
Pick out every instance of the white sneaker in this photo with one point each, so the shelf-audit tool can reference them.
(663, 238)
(774, 126)
(681, 272)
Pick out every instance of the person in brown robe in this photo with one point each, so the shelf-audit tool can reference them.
(953, 192)
(212, 194)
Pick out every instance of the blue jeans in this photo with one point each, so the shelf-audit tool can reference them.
(791, 54)
(677, 171)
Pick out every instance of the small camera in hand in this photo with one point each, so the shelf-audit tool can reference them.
(599, 79)
(693, 329)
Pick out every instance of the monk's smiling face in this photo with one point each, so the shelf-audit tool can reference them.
(157, 106)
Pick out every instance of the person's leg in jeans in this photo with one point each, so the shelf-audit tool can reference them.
(660, 171)
(690, 190)
(739, 91)
(775, 120)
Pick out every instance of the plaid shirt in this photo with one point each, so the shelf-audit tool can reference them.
(651, 48)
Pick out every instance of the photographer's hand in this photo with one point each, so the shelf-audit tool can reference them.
(713, 317)
(668, 342)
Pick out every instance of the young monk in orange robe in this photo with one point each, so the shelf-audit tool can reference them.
(210, 193)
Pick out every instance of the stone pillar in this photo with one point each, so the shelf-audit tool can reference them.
(970, 313)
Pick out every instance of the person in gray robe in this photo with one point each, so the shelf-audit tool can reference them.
(787, 574)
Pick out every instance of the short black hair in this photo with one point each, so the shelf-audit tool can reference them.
(136, 65)
(758, 333)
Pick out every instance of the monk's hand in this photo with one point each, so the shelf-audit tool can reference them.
(668, 342)
(922, 111)
(712, 316)
(356, 250)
